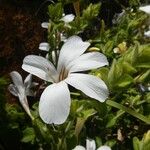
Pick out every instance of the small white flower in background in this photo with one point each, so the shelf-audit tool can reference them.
(90, 145)
(116, 50)
(22, 89)
(44, 46)
(63, 38)
(67, 18)
(53, 56)
(147, 34)
(45, 25)
(146, 9)
(54, 105)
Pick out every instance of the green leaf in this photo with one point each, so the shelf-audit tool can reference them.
(55, 12)
(128, 68)
(136, 143)
(28, 135)
(81, 120)
(112, 119)
(117, 76)
(91, 12)
(134, 2)
(143, 77)
(101, 108)
(144, 144)
(108, 48)
(124, 81)
(131, 56)
(128, 110)
(143, 56)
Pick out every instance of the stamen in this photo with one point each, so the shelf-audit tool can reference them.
(63, 74)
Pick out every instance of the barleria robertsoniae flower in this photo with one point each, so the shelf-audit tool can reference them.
(66, 19)
(90, 145)
(54, 105)
(22, 89)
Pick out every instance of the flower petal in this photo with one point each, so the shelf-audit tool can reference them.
(40, 67)
(44, 46)
(79, 147)
(55, 103)
(87, 61)
(68, 18)
(104, 148)
(147, 34)
(72, 49)
(90, 85)
(28, 81)
(45, 25)
(17, 79)
(13, 90)
(18, 83)
(90, 145)
(146, 9)
(24, 103)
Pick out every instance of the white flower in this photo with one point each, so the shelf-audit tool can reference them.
(147, 34)
(54, 105)
(45, 25)
(146, 9)
(66, 18)
(22, 89)
(44, 46)
(90, 145)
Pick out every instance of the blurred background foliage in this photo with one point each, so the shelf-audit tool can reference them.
(115, 28)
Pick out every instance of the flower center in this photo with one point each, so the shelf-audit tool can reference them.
(63, 74)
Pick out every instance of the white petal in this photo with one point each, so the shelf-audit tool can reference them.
(87, 61)
(28, 81)
(40, 67)
(24, 103)
(147, 33)
(45, 25)
(54, 56)
(90, 145)
(55, 103)
(146, 9)
(18, 82)
(68, 18)
(63, 37)
(104, 148)
(79, 147)
(13, 90)
(72, 49)
(17, 79)
(44, 46)
(89, 84)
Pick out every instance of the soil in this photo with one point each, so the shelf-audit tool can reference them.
(20, 35)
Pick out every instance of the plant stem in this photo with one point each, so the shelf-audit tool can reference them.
(77, 8)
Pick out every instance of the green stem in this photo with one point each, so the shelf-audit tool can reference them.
(128, 110)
